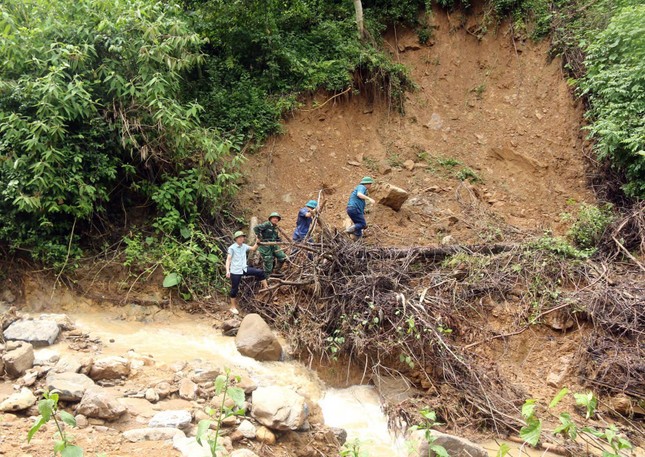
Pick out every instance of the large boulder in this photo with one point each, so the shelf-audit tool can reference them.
(18, 401)
(278, 408)
(70, 386)
(391, 196)
(456, 446)
(171, 418)
(100, 404)
(111, 367)
(62, 320)
(256, 340)
(152, 434)
(18, 359)
(38, 333)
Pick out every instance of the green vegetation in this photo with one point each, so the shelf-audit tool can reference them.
(263, 53)
(49, 410)
(90, 118)
(352, 449)
(222, 387)
(608, 441)
(468, 174)
(428, 422)
(108, 106)
(603, 47)
(591, 223)
(615, 87)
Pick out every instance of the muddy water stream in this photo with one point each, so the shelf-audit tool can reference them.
(356, 409)
(171, 338)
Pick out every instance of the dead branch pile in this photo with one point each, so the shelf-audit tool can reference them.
(423, 311)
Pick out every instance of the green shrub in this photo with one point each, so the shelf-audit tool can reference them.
(89, 113)
(615, 87)
(590, 225)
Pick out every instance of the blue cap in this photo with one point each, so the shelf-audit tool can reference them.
(312, 204)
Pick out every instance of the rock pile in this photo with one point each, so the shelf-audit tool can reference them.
(109, 393)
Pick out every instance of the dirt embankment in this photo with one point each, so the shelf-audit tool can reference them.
(493, 111)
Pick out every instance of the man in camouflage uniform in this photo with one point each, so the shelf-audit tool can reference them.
(267, 232)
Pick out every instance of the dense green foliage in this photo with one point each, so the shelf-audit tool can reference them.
(603, 46)
(263, 53)
(89, 113)
(615, 87)
(99, 113)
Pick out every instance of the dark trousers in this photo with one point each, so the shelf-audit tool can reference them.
(358, 218)
(235, 279)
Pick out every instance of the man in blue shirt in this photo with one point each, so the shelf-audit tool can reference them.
(356, 207)
(305, 215)
(236, 267)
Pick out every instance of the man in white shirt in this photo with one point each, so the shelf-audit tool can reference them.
(236, 267)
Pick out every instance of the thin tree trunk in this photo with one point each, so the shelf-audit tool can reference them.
(358, 6)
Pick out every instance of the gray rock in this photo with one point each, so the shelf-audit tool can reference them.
(46, 357)
(62, 320)
(247, 429)
(340, 434)
(206, 373)
(100, 404)
(30, 377)
(151, 395)
(256, 340)
(278, 408)
(81, 421)
(243, 453)
(152, 434)
(19, 359)
(172, 418)
(163, 389)
(189, 447)
(38, 333)
(456, 446)
(67, 364)
(71, 386)
(230, 327)
(559, 371)
(187, 389)
(18, 401)
(391, 196)
(110, 368)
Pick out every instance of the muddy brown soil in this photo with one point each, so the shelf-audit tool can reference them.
(495, 110)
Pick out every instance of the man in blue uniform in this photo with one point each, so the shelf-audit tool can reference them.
(305, 216)
(356, 207)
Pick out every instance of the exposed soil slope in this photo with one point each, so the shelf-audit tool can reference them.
(495, 106)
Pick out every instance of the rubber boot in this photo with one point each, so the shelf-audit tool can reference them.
(276, 271)
(350, 229)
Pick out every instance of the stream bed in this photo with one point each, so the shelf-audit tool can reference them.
(171, 338)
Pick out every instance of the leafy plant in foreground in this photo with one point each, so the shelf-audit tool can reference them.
(223, 388)
(48, 408)
(352, 449)
(429, 421)
(568, 428)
